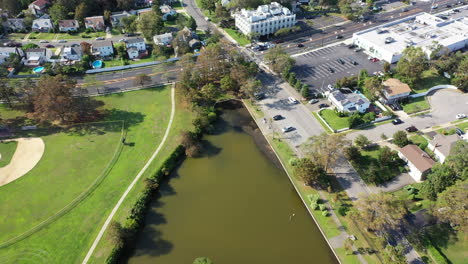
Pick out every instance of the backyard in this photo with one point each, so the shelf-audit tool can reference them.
(335, 121)
(415, 105)
(73, 159)
(430, 78)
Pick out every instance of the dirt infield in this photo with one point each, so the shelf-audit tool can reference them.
(28, 153)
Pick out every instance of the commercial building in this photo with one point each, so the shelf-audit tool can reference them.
(418, 161)
(350, 102)
(424, 30)
(266, 19)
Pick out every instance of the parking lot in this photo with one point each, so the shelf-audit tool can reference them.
(321, 67)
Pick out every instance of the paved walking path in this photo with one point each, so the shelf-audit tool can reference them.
(130, 187)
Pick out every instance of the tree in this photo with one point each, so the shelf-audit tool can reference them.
(461, 82)
(441, 177)
(412, 63)
(380, 211)
(451, 206)
(190, 142)
(325, 149)
(209, 5)
(221, 12)
(116, 233)
(58, 12)
(107, 16)
(129, 24)
(352, 153)
(305, 91)
(349, 82)
(86, 48)
(6, 92)
(355, 120)
(278, 59)
(53, 100)
(400, 138)
(142, 79)
(386, 67)
(192, 24)
(81, 11)
(30, 46)
(13, 6)
(228, 84)
(180, 43)
(202, 260)
(150, 24)
(308, 171)
(362, 141)
(374, 86)
(386, 156)
(250, 87)
(125, 4)
(458, 159)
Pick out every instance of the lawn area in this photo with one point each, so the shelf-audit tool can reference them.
(24, 71)
(430, 78)
(414, 202)
(455, 248)
(112, 63)
(91, 35)
(9, 113)
(177, 5)
(322, 123)
(419, 140)
(415, 105)
(7, 149)
(239, 37)
(17, 36)
(147, 59)
(334, 120)
(44, 36)
(462, 126)
(66, 240)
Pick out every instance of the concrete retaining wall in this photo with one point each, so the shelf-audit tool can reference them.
(444, 86)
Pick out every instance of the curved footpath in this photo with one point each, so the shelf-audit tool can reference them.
(130, 187)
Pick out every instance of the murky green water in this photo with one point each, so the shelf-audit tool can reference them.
(234, 205)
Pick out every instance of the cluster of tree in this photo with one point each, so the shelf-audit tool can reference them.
(218, 70)
(348, 82)
(278, 60)
(412, 64)
(51, 100)
(297, 84)
(400, 138)
(357, 119)
(351, 12)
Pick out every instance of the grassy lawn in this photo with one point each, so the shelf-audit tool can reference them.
(177, 5)
(66, 240)
(414, 202)
(419, 140)
(44, 36)
(463, 126)
(416, 105)
(455, 249)
(430, 78)
(91, 35)
(17, 36)
(7, 149)
(112, 63)
(322, 123)
(238, 37)
(9, 113)
(24, 71)
(147, 59)
(334, 120)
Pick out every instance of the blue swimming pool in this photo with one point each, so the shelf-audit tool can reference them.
(38, 69)
(97, 64)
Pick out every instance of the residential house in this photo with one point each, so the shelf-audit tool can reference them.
(38, 7)
(441, 146)
(116, 18)
(68, 25)
(163, 39)
(140, 11)
(72, 53)
(35, 57)
(42, 25)
(350, 102)
(14, 24)
(418, 161)
(395, 90)
(133, 52)
(139, 43)
(103, 48)
(167, 11)
(6, 51)
(95, 22)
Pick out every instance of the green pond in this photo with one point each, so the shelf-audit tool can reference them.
(233, 205)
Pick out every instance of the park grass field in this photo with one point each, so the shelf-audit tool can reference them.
(7, 149)
(67, 239)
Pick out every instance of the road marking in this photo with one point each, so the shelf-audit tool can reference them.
(130, 187)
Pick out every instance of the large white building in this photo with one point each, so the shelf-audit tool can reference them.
(424, 30)
(267, 19)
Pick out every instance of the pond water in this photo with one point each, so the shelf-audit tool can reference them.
(233, 205)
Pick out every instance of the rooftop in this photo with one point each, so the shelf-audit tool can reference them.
(68, 23)
(36, 50)
(350, 98)
(395, 87)
(103, 43)
(135, 40)
(417, 157)
(444, 143)
(264, 12)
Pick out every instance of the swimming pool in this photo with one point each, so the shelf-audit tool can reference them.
(38, 69)
(97, 64)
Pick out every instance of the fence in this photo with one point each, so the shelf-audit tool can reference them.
(444, 86)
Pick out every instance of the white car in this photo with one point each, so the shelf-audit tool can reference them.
(99, 38)
(313, 101)
(460, 116)
(293, 100)
(62, 41)
(43, 41)
(122, 40)
(330, 87)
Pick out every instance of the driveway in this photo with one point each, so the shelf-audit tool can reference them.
(445, 104)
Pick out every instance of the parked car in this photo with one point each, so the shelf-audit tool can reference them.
(354, 62)
(435, 6)
(357, 50)
(278, 41)
(411, 129)
(287, 129)
(122, 39)
(339, 36)
(331, 70)
(99, 38)
(397, 121)
(62, 41)
(43, 41)
(278, 117)
(340, 61)
(352, 46)
(293, 100)
(460, 116)
(259, 96)
(50, 46)
(300, 45)
(375, 60)
(448, 5)
(459, 131)
(323, 106)
(330, 87)
(130, 34)
(313, 101)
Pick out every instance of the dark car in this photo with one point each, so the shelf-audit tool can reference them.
(278, 41)
(322, 106)
(397, 121)
(459, 131)
(50, 46)
(130, 34)
(331, 70)
(287, 129)
(259, 96)
(352, 46)
(300, 45)
(340, 61)
(448, 5)
(354, 62)
(339, 37)
(277, 117)
(411, 129)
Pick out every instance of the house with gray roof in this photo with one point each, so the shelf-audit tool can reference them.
(72, 53)
(441, 145)
(349, 102)
(116, 18)
(14, 24)
(42, 25)
(103, 48)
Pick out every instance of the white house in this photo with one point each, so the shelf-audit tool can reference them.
(14, 24)
(6, 51)
(95, 22)
(167, 11)
(138, 43)
(350, 102)
(266, 19)
(418, 161)
(72, 53)
(441, 146)
(42, 25)
(395, 90)
(103, 48)
(116, 18)
(38, 7)
(35, 57)
(133, 52)
(68, 25)
(163, 39)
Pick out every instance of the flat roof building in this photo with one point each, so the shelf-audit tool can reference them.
(266, 19)
(388, 41)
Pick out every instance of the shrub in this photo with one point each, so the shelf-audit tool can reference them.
(352, 153)
(313, 206)
(325, 213)
(322, 207)
(400, 139)
(354, 120)
(314, 198)
(343, 209)
(369, 117)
